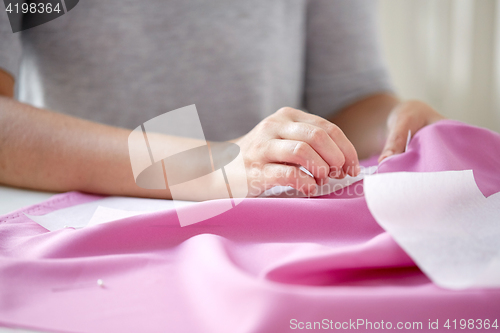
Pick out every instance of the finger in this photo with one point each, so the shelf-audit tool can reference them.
(400, 123)
(299, 153)
(395, 144)
(321, 182)
(341, 174)
(318, 140)
(351, 163)
(288, 175)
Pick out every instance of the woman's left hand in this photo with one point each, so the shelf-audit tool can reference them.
(410, 115)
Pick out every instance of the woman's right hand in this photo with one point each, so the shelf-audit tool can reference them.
(275, 149)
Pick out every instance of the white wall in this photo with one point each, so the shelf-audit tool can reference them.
(447, 53)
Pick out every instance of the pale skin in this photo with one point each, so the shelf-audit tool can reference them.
(44, 150)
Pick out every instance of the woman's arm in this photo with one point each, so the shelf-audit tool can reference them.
(365, 123)
(6, 84)
(48, 151)
(379, 124)
(44, 150)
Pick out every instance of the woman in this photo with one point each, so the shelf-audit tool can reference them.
(248, 66)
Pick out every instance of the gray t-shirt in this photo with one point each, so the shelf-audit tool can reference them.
(123, 62)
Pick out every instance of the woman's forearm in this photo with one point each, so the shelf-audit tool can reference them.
(365, 123)
(45, 150)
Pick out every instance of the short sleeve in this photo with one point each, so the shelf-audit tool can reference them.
(10, 46)
(343, 58)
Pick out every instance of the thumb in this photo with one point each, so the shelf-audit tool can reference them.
(399, 123)
(408, 116)
(393, 146)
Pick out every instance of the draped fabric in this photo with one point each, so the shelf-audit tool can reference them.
(264, 266)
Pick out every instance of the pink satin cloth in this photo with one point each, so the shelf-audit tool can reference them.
(265, 266)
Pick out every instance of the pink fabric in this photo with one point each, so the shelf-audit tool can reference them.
(251, 269)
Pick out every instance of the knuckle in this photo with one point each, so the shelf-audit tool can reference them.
(339, 160)
(317, 135)
(261, 146)
(286, 111)
(263, 150)
(334, 130)
(300, 149)
(267, 124)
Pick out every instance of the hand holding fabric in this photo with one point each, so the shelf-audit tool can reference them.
(407, 116)
(279, 145)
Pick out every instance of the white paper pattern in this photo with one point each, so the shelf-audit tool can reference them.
(79, 216)
(443, 221)
(105, 215)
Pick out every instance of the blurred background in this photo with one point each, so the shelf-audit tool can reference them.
(446, 53)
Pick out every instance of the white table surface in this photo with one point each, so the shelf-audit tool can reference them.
(12, 199)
